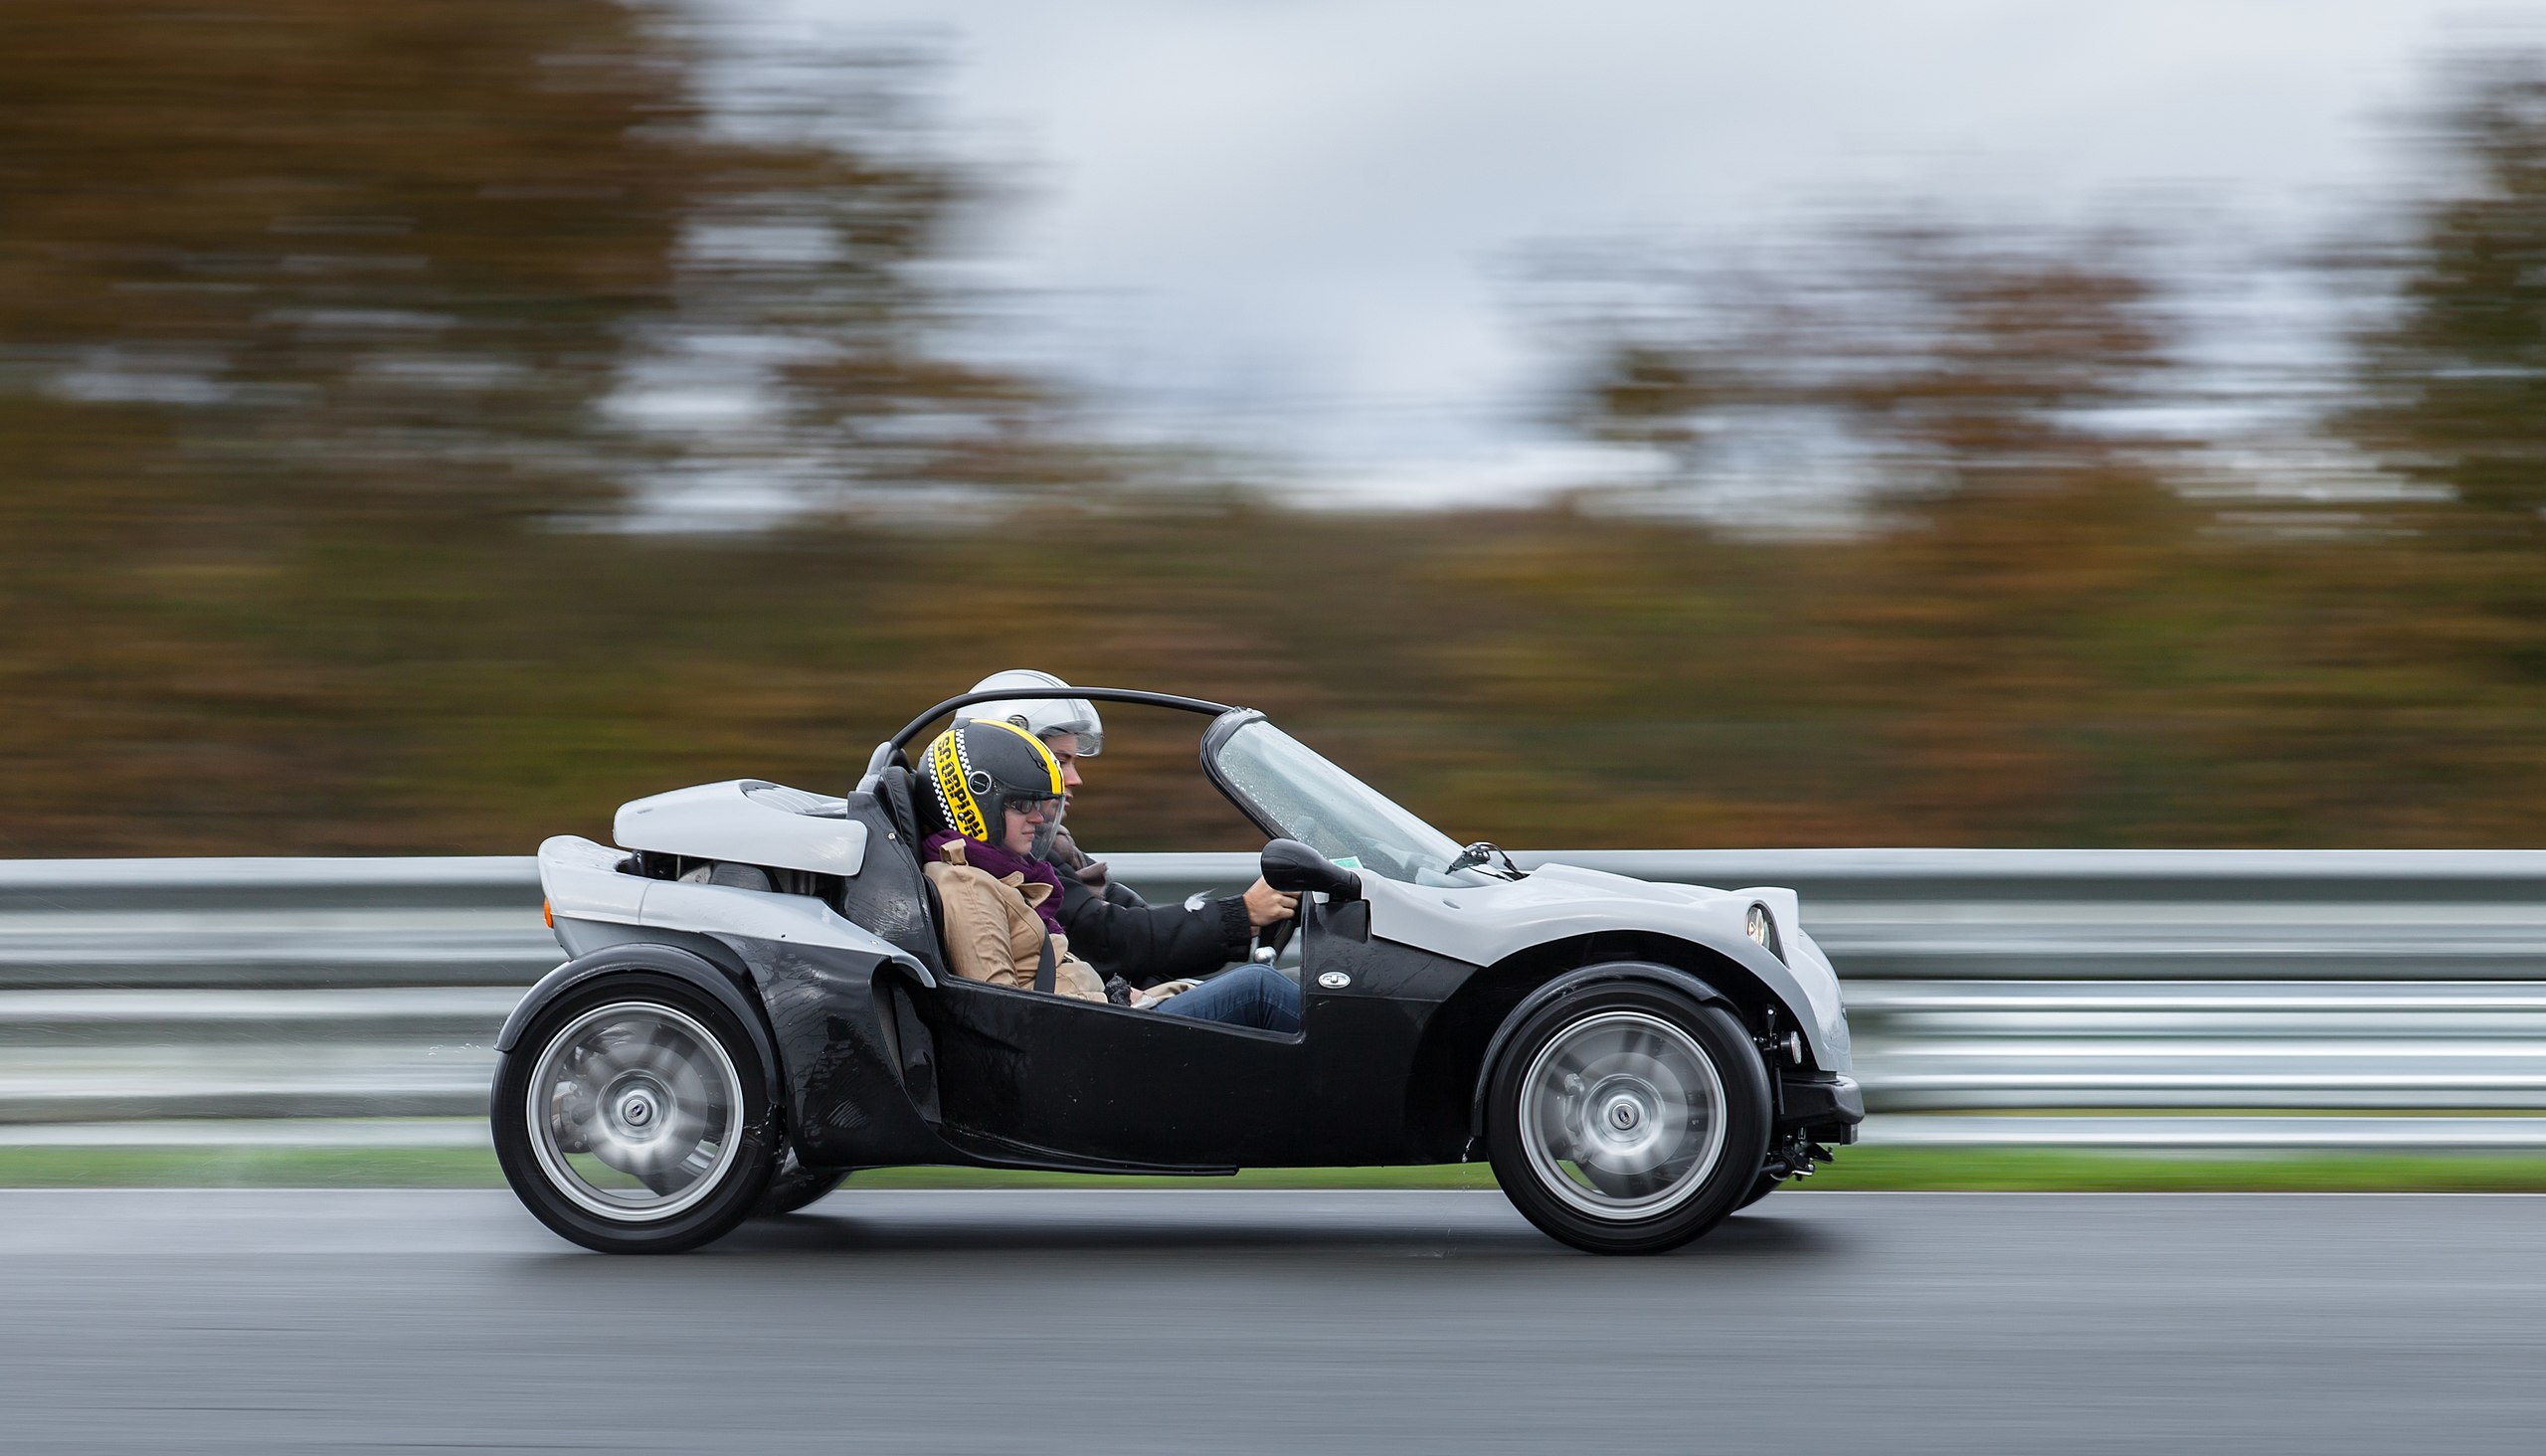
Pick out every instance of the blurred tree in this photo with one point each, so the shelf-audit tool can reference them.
(431, 261)
(338, 347)
(2455, 375)
(309, 310)
(2032, 632)
(1905, 358)
(1969, 643)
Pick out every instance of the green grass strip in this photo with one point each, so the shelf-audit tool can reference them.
(1963, 1169)
(2061, 1170)
(249, 1167)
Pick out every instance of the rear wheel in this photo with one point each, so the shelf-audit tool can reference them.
(632, 1117)
(798, 1186)
(1627, 1120)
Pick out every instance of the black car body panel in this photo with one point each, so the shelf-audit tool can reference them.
(847, 1088)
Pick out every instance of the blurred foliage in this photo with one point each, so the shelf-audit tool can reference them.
(2457, 374)
(322, 332)
(343, 359)
(1921, 357)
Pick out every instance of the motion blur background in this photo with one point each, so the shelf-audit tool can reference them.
(424, 428)
(1657, 425)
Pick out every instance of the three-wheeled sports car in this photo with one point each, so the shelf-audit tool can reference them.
(758, 1002)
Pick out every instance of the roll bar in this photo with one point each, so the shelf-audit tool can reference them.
(883, 758)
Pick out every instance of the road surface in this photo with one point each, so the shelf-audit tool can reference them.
(1154, 1322)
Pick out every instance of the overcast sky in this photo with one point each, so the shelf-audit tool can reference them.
(1293, 223)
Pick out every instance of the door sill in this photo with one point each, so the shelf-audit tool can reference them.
(993, 1150)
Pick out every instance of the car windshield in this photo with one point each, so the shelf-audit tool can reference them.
(1340, 816)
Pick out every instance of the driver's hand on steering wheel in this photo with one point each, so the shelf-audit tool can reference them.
(1266, 905)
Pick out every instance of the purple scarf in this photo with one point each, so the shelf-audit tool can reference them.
(999, 863)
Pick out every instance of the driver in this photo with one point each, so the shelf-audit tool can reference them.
(1001, 791)
(1112, 927)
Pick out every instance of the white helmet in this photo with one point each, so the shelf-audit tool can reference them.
(1040, 716)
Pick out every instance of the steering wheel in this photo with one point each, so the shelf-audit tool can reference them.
(1277, 936)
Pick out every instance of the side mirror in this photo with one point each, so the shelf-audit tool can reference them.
(1296, 869)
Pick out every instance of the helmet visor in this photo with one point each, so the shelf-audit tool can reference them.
(1087, 734)
(1044, 717)
(1085, 726)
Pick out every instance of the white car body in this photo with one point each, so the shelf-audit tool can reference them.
(1486, 923)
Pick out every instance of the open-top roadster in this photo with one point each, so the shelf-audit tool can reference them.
(758, 1001)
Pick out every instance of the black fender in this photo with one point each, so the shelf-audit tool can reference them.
(680, 965)
(1573, 983)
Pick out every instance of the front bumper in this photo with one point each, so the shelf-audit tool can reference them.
(1826, 1108)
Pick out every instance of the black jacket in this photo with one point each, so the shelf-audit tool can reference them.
(1113, 931)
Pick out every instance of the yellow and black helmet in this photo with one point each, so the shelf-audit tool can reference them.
(983, 767)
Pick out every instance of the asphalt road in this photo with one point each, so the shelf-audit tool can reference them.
(1140, 1322)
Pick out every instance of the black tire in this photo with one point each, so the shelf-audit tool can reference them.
(1651, 1054)
(796, 1187)
(1768, 1184)
(700, 1042)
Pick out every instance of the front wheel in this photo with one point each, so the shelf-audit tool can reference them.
(1767, 1184)
(632, 1117)
(1627, 1120)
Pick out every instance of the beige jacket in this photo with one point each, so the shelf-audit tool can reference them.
(993, 933)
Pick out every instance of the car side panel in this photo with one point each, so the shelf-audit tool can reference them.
(1022, 1071)
(849, 1101)
(1363, 1096)
(1110, 1084)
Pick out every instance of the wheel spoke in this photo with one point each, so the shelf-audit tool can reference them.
(646, 1091)
(1622, 1114)
(599, 1061)
(653, 1057)
(572, 1116)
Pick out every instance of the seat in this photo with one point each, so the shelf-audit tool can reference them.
(936, 918)
(889, 895)
(901, 806)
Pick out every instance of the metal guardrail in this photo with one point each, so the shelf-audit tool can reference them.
(2112, 999)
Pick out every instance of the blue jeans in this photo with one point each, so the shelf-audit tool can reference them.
(1254, 995)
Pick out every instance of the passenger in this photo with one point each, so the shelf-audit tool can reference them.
(997, 895)
(1110, 924)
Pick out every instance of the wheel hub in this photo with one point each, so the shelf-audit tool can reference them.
(637, 1108)
(1626, 1113)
